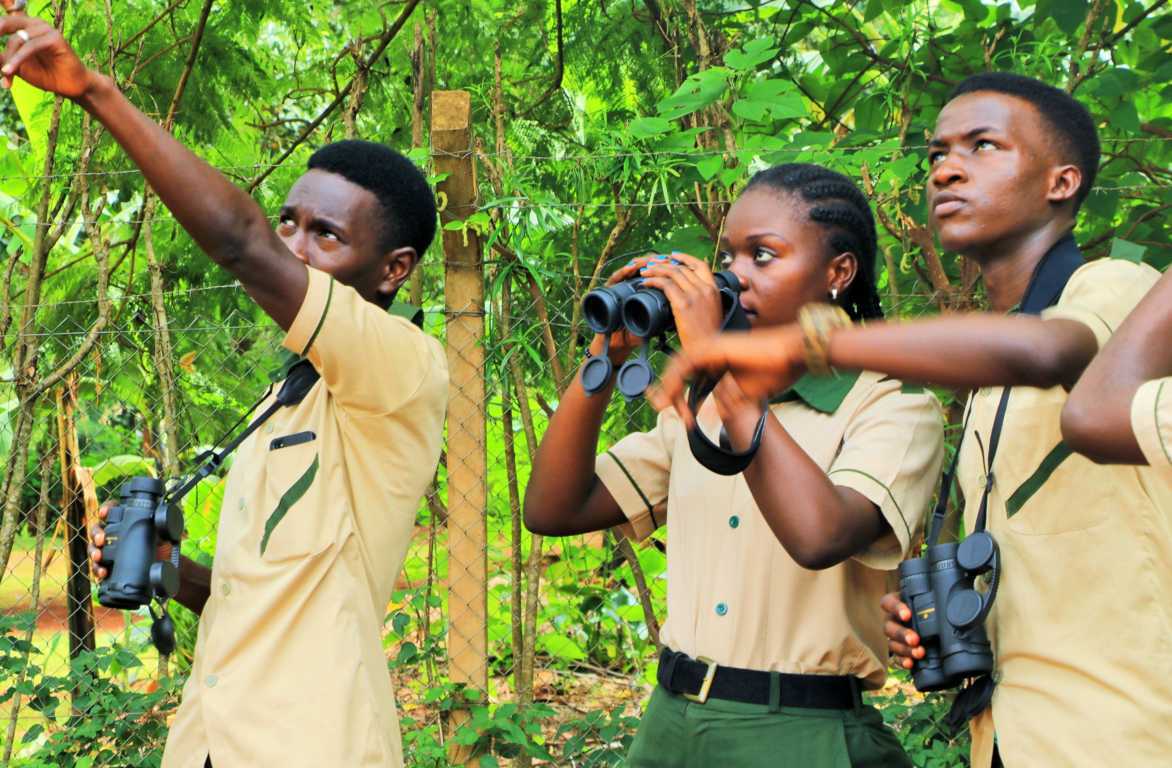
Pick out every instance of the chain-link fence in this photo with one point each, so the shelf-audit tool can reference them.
(502, 645)
(564, 617)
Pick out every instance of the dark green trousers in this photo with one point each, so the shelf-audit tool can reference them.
(677, 733)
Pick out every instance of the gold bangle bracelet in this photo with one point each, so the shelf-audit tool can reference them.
(817, 321)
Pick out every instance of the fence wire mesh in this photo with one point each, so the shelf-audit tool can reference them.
(568, 610)
(569, 633)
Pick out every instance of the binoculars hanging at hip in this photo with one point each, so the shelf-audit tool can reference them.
(948, 613)
(134, 529)
(646, 313)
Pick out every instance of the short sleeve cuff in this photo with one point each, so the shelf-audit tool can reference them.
(1151, 420)
(312, 314)
(641, 516)
(1096, 324)
(884, 553)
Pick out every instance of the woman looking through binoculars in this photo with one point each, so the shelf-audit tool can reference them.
(774, 574)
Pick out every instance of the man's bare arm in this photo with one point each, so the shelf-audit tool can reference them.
(1096, 421)
(226, 223)
(969, 351)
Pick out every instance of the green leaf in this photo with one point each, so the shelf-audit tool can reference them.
(755, 111)
(697, 92)
(1125, 118)
(561, 647)
(465, 736)
(1126, 250)
(36, 111)
(124, 465)
(1067, 14)
(730, 176)
(974, 10)
(751, 55)
(645, 127)
(769, 88)
(709, 166)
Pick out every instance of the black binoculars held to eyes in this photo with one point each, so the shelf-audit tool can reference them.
(135, 528)
(646, 313)
(948, 613)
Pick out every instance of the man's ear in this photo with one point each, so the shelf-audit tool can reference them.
(397, 266)
(1064, 183)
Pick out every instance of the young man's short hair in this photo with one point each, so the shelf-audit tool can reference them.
(407, 201)
(1063, 114)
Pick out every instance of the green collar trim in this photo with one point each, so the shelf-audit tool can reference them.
(408, 312)
(822, 393)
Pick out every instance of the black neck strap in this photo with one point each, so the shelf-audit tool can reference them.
(717, 458)
(1045, 288)
(300, 379)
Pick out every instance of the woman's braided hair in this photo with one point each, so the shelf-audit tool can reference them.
(838, 205)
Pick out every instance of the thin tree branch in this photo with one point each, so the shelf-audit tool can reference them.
(147, 28)
(559, 64)
(385, 41)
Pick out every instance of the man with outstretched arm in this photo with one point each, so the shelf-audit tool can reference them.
(320, 503)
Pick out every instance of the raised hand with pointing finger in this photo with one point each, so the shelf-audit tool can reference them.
(38, 54)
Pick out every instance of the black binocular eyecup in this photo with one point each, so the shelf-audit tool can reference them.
(602, 311)
(143, 485)
(647, 313)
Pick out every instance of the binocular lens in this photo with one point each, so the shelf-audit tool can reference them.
(602, 310)
(647, 313)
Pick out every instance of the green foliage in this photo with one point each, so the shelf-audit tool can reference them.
(920, 726)
(90, 716)
(659, 119)
(597, 738)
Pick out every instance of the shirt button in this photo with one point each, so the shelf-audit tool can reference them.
(211, 681)
(225, 589)
(721, 609)
(734, 521)
(240, 504)
(269, 429)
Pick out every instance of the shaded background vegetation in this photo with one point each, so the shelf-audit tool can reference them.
(603, 129)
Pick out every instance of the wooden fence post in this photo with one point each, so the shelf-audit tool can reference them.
(451, 141)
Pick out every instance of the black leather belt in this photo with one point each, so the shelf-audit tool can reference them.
(702, 679)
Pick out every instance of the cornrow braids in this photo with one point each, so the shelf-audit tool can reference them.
(838, 205)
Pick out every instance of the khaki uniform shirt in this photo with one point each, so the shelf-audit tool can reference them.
(733, 593)
(1082, 624)
(289, 668)
(1151, 420)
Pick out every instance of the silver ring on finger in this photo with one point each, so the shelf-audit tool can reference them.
(18, 6)
(23, 35)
